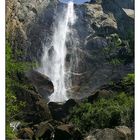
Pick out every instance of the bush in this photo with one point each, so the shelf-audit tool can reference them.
(103, 113)
(129, 79)
(119, 51)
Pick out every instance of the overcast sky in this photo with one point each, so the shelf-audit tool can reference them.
(76, 1)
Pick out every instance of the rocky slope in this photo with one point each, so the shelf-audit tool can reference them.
(51, 121)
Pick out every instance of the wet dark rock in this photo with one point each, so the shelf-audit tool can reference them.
(60, 111)
(62, 133)
(67, 131)
(42, 83)
(36, 108)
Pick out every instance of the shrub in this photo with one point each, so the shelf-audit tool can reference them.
(129, 79)
(103, 113)
(119, 51)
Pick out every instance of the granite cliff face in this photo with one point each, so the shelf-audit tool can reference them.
(96, 24)
(23, 26)
(29, 26)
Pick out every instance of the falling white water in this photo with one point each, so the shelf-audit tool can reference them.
(53, 60)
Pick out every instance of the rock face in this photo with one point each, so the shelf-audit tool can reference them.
(128, 4)
(31, 27)
(23, 25)
(98, 22)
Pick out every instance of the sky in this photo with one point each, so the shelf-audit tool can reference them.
(76, 1)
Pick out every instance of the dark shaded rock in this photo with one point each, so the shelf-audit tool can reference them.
(36, 108)
(42, 83)
(61, 111)
(62, 134)
(49, 130)
(56, 110)
(69, 104)
(129, 4)
(119, 133)
(26, 133)
(67, 131)
(44, 130)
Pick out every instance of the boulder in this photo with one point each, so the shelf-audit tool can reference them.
(26, 133)
(67, 131)
(44, 130)
(49, 130)
(60, 111)
(36, 108)
(42, 83)
(62, 132)
(56, 110)
(118, 133)
(108, 134)
(125, 131)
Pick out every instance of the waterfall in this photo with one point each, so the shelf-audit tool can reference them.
(54, 56)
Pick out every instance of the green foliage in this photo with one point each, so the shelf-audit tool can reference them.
(9, 133)
(103, 113)
(115, 61)
(110, 51)
(14, 72)
(129, 79)
(130, 39)
(119, 51)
